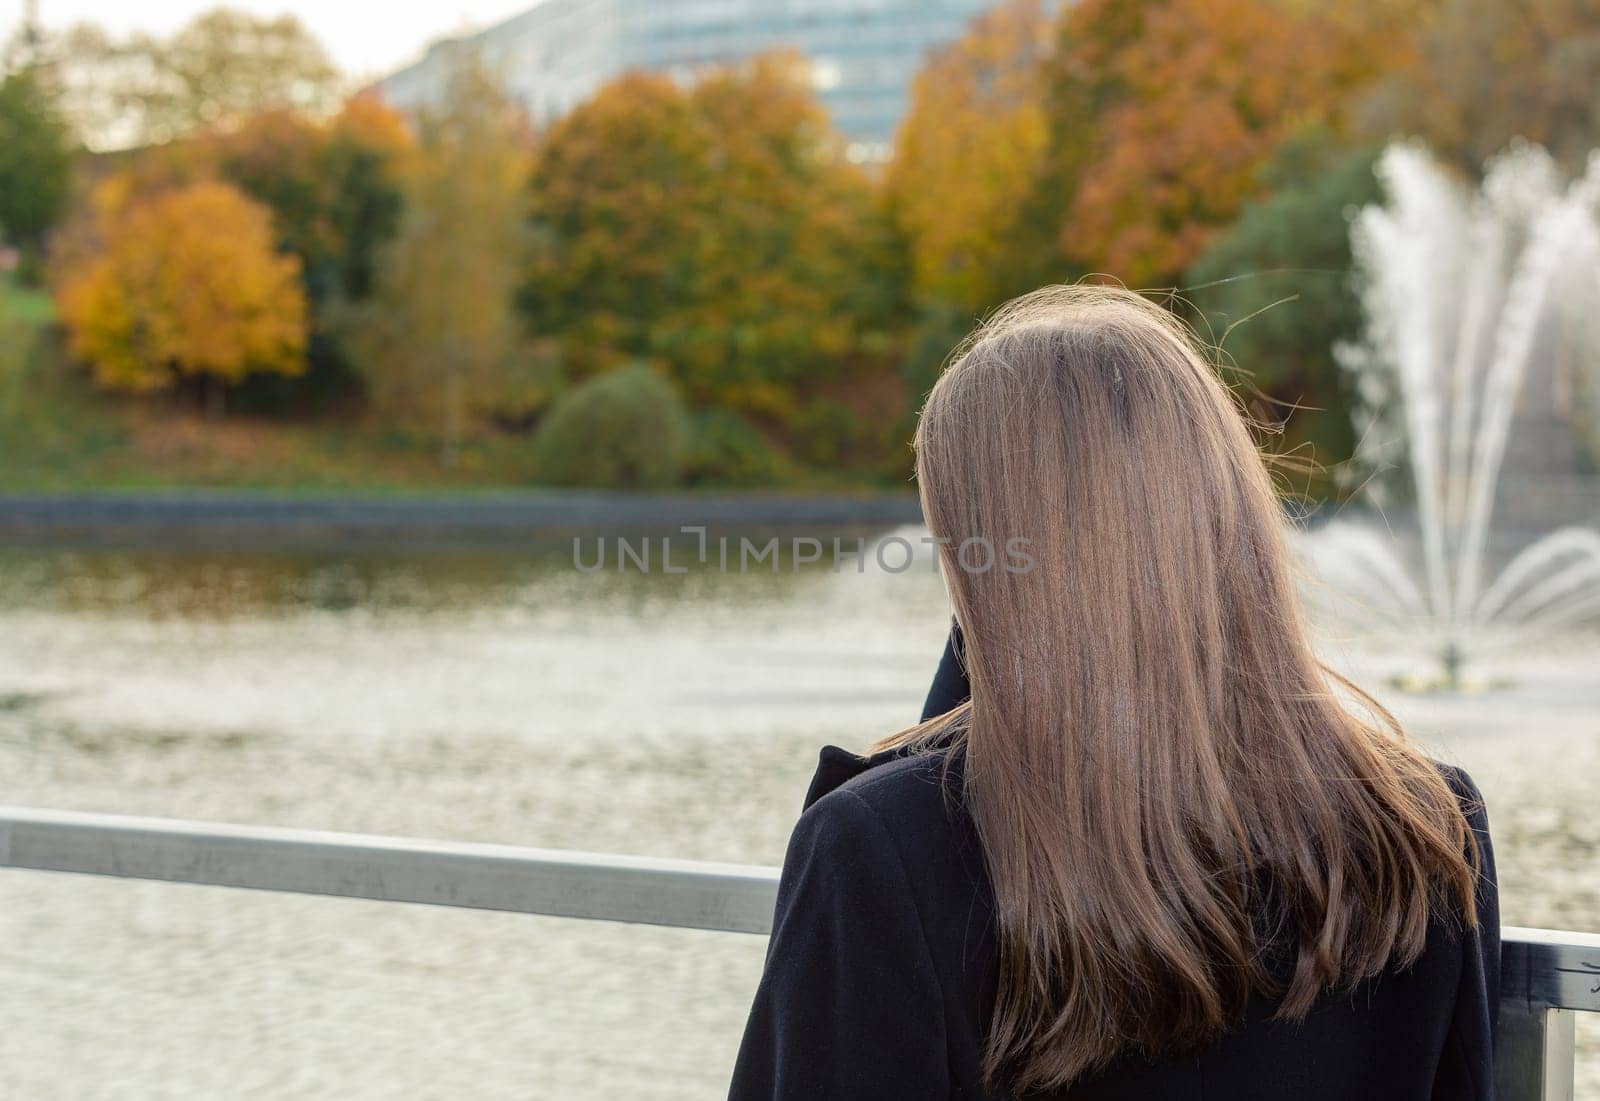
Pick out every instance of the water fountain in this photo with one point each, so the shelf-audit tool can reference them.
(1463, 290)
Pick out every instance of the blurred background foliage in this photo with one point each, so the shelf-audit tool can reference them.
(623, 429)
(220, 268)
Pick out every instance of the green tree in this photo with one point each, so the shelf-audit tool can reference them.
(334, 187)
(35, 161)
(336, 192)
(441, 333)
(1275, 292)
(364, 158)
(728, 450)
(715, 230)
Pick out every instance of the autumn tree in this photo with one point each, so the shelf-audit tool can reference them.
(714, 230)
(968, 158)
(441, 333)
(185, 284)
(1165, 112)
(335, 189)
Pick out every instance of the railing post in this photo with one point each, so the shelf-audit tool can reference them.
(1534, 1054)
(1545, 976)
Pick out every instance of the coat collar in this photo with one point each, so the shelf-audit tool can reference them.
(836, 766)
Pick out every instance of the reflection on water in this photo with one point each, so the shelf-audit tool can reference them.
(324, 648)
(505, 697)
(228, 584)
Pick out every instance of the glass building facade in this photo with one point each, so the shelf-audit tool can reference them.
(863, 53)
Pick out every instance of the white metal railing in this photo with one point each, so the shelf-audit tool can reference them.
(1546, 976)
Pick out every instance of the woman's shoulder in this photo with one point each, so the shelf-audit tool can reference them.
(1459, 779)
(1466, 793)
(901, 779)
(897, 792)
(889, 777)
(896, 824)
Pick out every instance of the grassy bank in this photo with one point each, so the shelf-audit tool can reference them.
(58, 433)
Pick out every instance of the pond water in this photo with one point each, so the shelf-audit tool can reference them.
(506, 696)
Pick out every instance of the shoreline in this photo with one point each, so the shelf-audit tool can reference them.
(276, 517)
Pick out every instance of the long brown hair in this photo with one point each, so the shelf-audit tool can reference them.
(1152, 750)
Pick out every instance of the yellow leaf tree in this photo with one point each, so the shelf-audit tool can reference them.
(183, 283)
(442, 334)
(969, 154)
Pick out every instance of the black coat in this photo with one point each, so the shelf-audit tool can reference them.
(880, 975)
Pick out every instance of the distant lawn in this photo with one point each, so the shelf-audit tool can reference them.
(26, 305)
(59, 433)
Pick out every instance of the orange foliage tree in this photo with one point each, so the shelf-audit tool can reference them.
(968, 157)
(714, 230)
(184, 282)
(1177, 104)
(335, 189)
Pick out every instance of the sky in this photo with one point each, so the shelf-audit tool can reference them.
(366, 38)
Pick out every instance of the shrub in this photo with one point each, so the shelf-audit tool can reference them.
(729, 450)
(625, 429)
